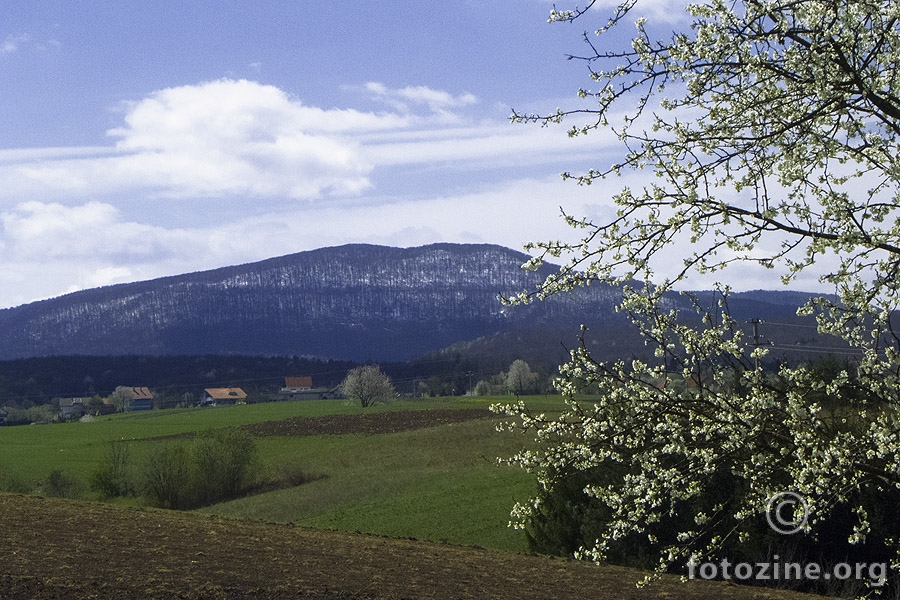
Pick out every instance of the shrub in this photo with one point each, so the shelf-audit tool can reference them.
(293, 476)
(13, 483)
(58, 485)
(42, 413)
(214, 466)
(221, 464)
(17, 416)
(165, 480)
(113, 478)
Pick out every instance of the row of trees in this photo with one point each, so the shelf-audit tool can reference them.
(764, 133)
(368, 385)
(519, 380)
(211, 467)
(42, 413)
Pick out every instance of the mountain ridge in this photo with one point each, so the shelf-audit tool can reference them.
(357, 301)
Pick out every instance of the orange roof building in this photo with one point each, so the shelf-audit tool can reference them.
(298, 383)
(214, 396)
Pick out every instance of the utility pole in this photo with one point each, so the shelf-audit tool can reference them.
(756, 323)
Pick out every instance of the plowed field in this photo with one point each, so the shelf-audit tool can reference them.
(368, 423)
(58, 549)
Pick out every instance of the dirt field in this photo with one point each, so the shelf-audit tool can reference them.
(58, 549)
(368, 423)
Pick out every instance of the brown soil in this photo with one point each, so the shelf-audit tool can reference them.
(59, 549)
(368, 423)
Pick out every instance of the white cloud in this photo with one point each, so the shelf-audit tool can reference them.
(50, 249)
(230, 139)
(37, 231)
(27, 155)
(81, 217)
(493, 145)
(12, 43)
(404, 99)
(101, 276)
(215, 139)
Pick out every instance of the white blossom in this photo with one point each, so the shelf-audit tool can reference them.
(792, 143)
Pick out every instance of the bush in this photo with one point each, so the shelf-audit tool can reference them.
(113, 478)
(59, 485)
(221, 465)
(42, 413)
(165, 478)
(293, 476)
(213, 467)
(17, 416)
(13, 483)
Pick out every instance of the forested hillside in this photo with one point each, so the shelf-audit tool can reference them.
(354, 302)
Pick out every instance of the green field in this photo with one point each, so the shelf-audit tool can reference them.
(439, 483)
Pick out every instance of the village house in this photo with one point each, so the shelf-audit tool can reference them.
(72, 408)
(301, 388)
(135, 398)
(292, 385)
(223, 396)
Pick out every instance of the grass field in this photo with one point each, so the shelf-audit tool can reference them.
(413, 473)
(438, 483)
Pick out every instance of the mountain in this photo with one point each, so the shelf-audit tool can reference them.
(361, 303)
(354, 302)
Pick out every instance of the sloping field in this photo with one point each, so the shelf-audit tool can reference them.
(429, 474)
(59, 549)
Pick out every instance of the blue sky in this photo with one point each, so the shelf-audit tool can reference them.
(149, 139)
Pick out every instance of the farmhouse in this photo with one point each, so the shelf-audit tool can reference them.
(72, 408)
(293, 385)
(136, 398)
(301, 388)
(223, 396)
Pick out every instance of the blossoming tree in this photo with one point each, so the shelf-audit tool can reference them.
(772, 129)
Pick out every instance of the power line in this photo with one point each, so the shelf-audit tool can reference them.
(792, 325)
(818, 350)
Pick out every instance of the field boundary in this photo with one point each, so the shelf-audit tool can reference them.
(367, 423)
